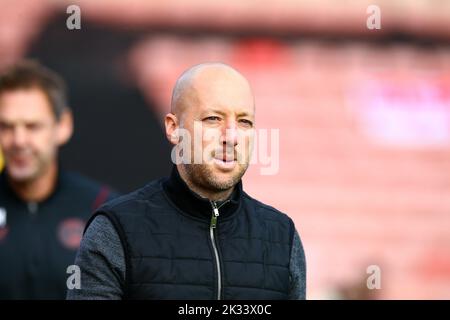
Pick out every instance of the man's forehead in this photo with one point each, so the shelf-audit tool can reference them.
(222, 91)
(25, 104)
(211, 85)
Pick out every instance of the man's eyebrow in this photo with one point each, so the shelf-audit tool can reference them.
(222, 113)
(218, 111)
(244, 114)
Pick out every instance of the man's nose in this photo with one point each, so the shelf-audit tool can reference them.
(230, 136)
(19, 136)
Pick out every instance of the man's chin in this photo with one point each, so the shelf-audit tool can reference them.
(21, 175)
(226, 175)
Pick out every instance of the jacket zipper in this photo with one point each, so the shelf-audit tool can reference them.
(213, 225)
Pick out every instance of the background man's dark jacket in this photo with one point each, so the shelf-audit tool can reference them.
(38, 241)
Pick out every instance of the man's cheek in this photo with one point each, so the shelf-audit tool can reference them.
(4, 148)
(44, 149)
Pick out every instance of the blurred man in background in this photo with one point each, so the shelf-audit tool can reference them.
(43, 209)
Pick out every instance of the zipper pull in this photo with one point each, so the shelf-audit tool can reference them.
(32, 208)
(215, 215)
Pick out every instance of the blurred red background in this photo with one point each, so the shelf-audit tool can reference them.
(363, 117)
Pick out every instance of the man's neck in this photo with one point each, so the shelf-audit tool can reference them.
(37, 189)
(204, 193)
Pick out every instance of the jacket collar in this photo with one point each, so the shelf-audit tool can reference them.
(5, 186)
(193, 204)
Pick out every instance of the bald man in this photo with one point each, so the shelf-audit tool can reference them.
(196, 234)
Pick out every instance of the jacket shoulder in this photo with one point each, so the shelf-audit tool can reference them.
(133, 200)
(266, 211)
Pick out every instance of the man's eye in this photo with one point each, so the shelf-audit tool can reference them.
(246, 122)
(212, 118)
(4, 127)
(34, 126)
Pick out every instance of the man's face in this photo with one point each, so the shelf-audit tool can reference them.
(28, 133)
(221, 114)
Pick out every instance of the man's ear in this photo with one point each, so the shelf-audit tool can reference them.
(171, 124)
(65, 127)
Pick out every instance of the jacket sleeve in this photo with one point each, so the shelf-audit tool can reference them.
(297, 270)
(101, 261)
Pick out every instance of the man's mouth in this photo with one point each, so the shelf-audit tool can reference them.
(225, 161)
(19, 158)
(225, 157)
